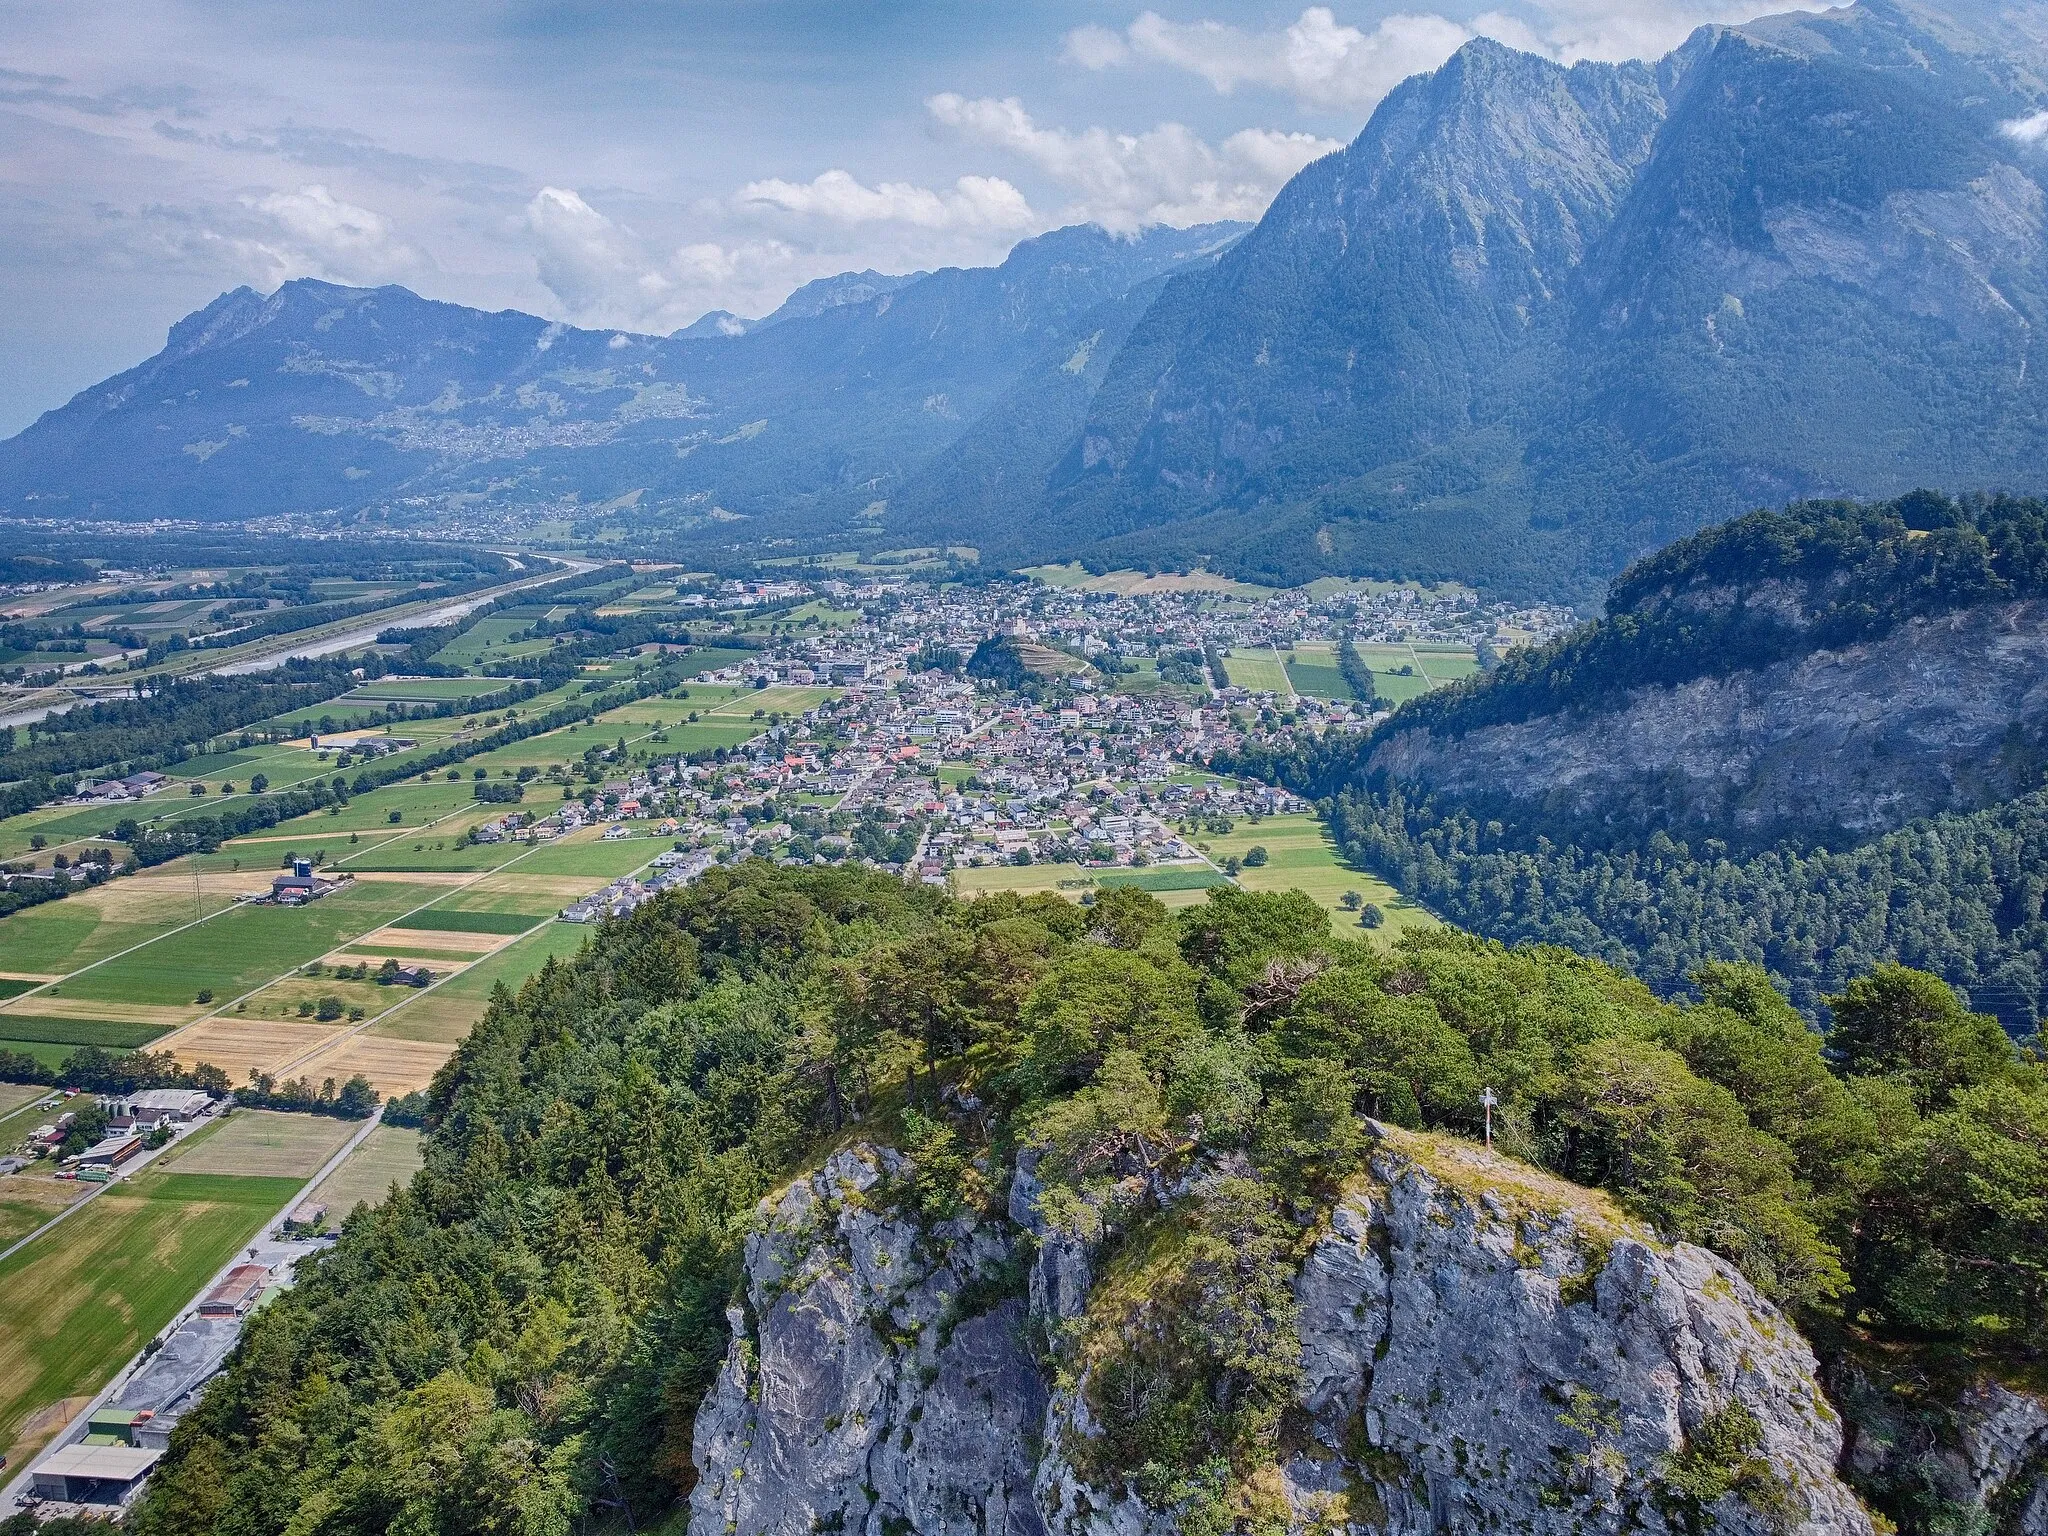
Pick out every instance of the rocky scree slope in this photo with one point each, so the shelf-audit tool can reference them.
(1483, 1347)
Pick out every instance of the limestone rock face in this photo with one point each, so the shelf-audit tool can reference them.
(1485, 1355)
(865, 1390)
(1483, 1349)
(1863, 739)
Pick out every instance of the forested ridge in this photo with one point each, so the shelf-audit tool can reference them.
(518, 1340)
(1765, 588)
(1958, 893)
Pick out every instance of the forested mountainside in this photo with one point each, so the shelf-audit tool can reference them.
(816, 1201)
(1814, 738)
(1531, 323)
(322, 399)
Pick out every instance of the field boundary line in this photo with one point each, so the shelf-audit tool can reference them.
(11, 1491)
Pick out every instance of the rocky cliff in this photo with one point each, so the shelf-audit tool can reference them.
(1941, 713)
(1482, 1347)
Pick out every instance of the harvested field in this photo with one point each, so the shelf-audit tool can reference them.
(54, 1005)
(468, 943)
(392, 1066)
(235, 1045)
(265, 1143)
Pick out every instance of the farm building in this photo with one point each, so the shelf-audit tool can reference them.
(94, 1474)
(111, 1153)
(154, 1106)
(236, 1294)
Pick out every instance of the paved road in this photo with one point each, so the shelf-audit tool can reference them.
(268, 1252)
(277, 653)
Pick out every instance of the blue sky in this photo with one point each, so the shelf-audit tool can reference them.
(635, 164)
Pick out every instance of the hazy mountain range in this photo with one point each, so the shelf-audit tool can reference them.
(1533, 321)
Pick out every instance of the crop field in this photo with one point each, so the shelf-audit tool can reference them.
(600, 860)
(448, 1012)
(263, 1142)
(1313, 670)
(449, 919)
(437, 850)
(57, 938)
(239, 950)
(1160, 881)
(393, 1066)
(483, 641)
(1259, 671)
(83, 1299)
(115, 1036)
(1300, 856)
(389, 1155)
(29, 1199)
(238, 1045)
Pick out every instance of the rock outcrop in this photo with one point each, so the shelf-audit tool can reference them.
(1483, 1348)
(1940, 714)
(879, 1380)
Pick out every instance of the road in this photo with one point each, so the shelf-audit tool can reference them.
(325, 640)
(272, 1253)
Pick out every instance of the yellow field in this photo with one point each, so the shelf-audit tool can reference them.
(1068, 880)
(235, 1045)
(1300, 856)
(264, 1141)
(467, 943)
(48, 1005)
(392, 1066)
(389, 1154)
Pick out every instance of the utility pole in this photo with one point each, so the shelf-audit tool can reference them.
(1488, 1102)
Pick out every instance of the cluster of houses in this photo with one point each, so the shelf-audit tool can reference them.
(673, 867)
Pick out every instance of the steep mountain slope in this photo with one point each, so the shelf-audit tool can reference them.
(1534, 321)
(377, 402)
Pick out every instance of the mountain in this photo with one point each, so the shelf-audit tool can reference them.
(1533, 322)
(824, 293)
(376, 403)
(1537, 320)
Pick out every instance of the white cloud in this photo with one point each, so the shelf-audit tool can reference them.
(2029, 130)
(1316, 60)
(605, 274)
(1123, 181)
(975, 202)
(313, 233)
(1094, 47)
(1325, 63)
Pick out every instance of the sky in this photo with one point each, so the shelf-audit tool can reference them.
(637, 163)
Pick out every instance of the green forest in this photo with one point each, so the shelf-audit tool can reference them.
(518, 1340)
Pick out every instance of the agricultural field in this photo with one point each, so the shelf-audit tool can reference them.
(30, 1198)
(1258, 671)
(1312, 669)
(389, 1155)
(263, 1142)
(49, 942)
(84, 1298)
(1301, 856)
